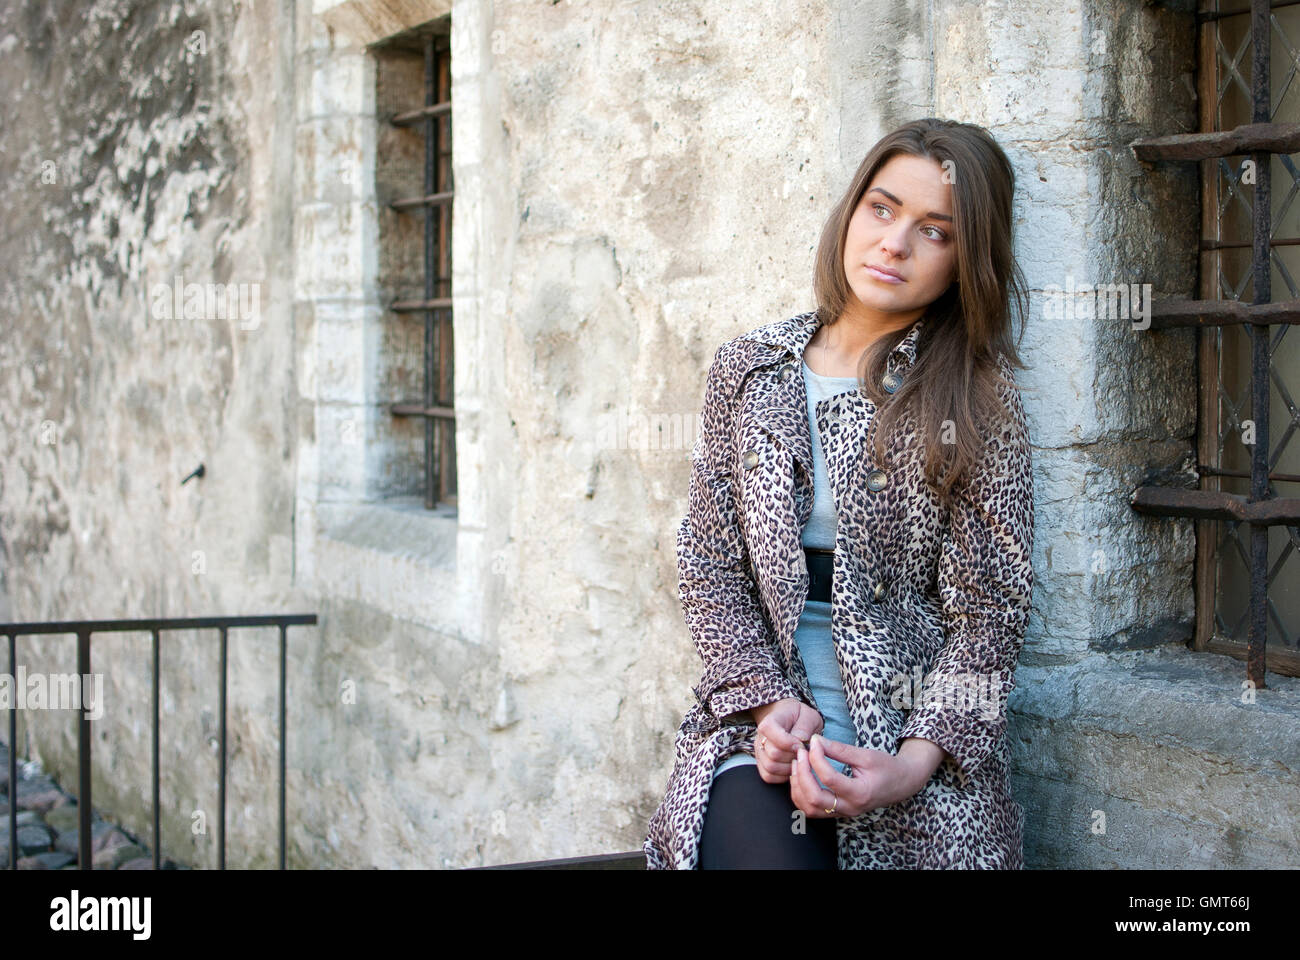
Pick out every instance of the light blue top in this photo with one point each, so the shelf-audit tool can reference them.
(813, 634)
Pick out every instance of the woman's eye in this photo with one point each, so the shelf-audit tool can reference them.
(937, 235)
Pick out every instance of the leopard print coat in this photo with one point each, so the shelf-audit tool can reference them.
(938, 596)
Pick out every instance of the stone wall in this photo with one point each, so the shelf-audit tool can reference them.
(142, 144)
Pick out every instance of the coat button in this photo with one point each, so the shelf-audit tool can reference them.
(879, 590)
(891, 382)
(751, 459)
(876, 480)
(786, 373)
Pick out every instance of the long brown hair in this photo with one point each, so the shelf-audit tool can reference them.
(956, 376)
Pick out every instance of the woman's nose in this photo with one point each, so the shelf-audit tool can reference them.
(895, 242)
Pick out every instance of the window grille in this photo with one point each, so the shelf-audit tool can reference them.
(437, 404)
(1247, 506)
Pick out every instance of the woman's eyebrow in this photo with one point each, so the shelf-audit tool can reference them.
(931, 215)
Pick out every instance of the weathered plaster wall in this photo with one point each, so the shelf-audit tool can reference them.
(669, 169)
(141, 143)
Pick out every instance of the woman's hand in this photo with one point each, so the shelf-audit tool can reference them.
(783, 728)
(878, 779)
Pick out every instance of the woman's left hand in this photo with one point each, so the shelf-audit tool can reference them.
(879, 779)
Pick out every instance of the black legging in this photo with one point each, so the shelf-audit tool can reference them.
(748, 826)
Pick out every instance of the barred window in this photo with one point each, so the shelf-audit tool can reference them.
(1247, 505)
(414, 172)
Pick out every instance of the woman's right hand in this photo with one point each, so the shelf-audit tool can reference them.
(783, 727)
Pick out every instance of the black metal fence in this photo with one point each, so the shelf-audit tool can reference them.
(83, 629)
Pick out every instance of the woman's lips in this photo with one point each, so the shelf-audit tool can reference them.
(881, 275)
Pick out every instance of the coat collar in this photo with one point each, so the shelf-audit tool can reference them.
(786, 339)
(781, 407)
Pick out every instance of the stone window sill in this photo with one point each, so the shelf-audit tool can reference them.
(1164, 734)
(394, 555)
(1169, 693)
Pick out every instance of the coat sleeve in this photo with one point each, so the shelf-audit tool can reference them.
(719, 598)
(985, 579)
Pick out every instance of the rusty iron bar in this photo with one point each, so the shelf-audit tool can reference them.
(1208, 471)
(420, 410)
(1211, 245)
(1209, 16)
(430, 199)
(1214, 505)
(415, 306)
(436, 110)
(83, 630)
(1249, 138)
(1260, 38)
(1166, 314)
(431, 326)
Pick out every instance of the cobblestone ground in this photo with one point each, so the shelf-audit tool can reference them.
(47, 827)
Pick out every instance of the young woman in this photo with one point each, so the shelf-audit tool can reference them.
(855, 563)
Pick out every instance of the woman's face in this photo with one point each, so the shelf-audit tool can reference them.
(902, 226)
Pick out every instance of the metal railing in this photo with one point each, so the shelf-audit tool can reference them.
(83, 629)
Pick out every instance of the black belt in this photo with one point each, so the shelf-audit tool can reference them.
(821, 571)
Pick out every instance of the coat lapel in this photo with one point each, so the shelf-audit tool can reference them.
(783, 411)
